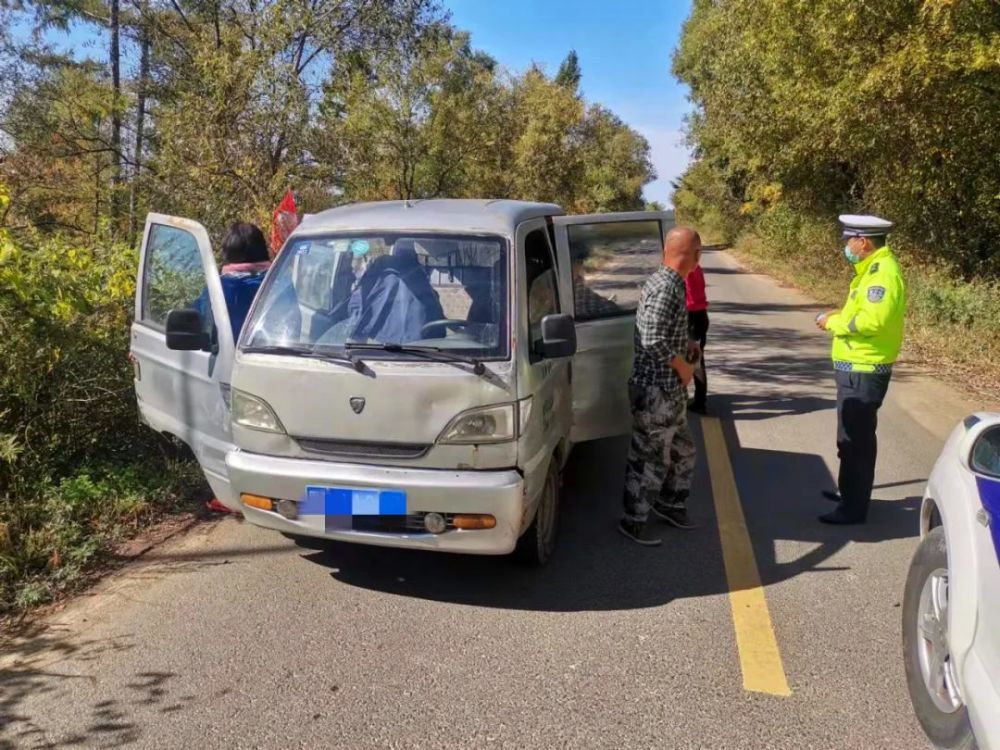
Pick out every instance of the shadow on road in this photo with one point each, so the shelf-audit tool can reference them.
(780, 494)
(774, 385)
(51, 661)
(596, 569)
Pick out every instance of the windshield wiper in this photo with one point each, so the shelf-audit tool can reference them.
(304, 351)
(433, 353)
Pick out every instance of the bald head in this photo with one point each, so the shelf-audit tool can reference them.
(682, 250)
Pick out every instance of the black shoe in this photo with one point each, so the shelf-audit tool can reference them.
(833, 497)
(840, 517)
(634, 531)
(697, 407)
(677, 517)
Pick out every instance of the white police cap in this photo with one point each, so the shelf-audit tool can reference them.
(864, 226)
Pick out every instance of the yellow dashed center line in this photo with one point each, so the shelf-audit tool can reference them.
(760, 659)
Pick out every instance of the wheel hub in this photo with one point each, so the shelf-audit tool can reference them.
(936, 664)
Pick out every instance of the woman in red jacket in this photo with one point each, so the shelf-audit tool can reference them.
(697, 305)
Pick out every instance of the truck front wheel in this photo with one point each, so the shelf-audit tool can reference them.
(536, 545)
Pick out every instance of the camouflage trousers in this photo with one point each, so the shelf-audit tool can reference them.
(661, 457)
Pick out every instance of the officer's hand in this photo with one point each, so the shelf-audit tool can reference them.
(821, 320)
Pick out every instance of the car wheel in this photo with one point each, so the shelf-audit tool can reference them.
(536, 545)
(930, 669)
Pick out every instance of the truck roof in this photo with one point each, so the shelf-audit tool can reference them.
(475, 216)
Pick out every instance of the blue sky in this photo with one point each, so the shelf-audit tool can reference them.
(624, 48)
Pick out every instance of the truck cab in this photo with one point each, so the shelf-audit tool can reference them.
(412, 373)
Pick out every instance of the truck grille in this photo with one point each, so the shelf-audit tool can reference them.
(355, 449)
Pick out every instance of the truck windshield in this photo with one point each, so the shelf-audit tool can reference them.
(442, 291)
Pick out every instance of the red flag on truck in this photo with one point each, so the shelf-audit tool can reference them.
(283, 221)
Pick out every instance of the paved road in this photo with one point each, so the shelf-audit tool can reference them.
(237, 637)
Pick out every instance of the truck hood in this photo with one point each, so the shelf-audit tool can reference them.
(407, 402)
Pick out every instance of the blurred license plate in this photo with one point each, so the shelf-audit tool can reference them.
(343, 501)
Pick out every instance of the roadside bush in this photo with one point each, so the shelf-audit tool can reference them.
(63, 527)
(77, 470)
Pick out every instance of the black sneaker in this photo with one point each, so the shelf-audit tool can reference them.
(675, 516)
(697, 407)
(833, 497)
(634, 531)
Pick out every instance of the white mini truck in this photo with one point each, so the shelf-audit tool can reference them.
(411, 374)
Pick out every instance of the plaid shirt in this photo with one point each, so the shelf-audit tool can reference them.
(661, 331)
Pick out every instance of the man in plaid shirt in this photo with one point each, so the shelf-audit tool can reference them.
(662, 454)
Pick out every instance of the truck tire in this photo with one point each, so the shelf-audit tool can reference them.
(926, 655)
(536, 545)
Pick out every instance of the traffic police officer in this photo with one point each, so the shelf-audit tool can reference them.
(867, 336)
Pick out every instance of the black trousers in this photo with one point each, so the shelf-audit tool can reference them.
(698, 330)
(859, 396)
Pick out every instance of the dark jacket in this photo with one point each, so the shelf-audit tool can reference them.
(396, 302)
(240, 285)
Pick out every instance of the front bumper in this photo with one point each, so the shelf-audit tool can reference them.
(499, 493)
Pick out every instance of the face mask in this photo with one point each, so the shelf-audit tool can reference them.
(851, 257)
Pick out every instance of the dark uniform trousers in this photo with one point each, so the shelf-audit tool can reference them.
(698, 331)
(859, 396)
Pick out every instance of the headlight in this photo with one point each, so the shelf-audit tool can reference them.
(493, 424)
(250, 411)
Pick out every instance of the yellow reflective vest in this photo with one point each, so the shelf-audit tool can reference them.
(868, 331)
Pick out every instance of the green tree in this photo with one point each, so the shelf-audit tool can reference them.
(60, 164)
(437, 118)
(419, 122)
(888, 106)
(236, 99)
(615, 162)
(546, 162)
(569, 73)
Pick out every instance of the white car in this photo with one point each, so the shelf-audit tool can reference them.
(951, 606)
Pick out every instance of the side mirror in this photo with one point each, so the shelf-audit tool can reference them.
(185, 332)
(558, 337)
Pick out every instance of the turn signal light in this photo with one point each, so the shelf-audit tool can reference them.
(473, 521)
(256, 501)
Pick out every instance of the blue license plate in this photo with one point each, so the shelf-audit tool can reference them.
(342, 501)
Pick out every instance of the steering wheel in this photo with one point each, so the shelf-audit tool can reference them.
(445, 322)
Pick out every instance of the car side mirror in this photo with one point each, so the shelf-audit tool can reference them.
(185, 331)
(558, 337)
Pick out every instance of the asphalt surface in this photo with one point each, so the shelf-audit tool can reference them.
(233, 636)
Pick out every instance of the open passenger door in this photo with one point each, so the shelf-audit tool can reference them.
(184, 393)
(608, 257)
